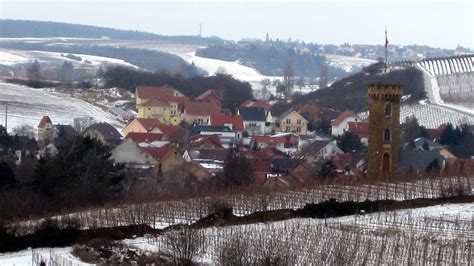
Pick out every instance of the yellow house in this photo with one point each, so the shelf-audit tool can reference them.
(156, 109)
(143, 125)
(292, 121)
(164, 103)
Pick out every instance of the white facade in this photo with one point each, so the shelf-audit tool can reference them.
(255, 127)
(337, 130)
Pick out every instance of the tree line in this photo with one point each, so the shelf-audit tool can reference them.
(232, 91)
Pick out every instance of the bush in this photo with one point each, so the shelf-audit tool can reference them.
(185, 245)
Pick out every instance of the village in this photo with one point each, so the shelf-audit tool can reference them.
(193, 144)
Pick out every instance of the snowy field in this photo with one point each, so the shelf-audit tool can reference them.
(11, 57)
(438, 233)
(185, 51)
(373, 238)
(27, 106)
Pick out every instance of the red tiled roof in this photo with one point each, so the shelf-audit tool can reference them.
(236, 120)
(149, 123)
(149, 92)
(256, 103)
(44, 121)
(169, 130)
(341, 118)
(202, 108)
(198, 140)
(266, 153)
(360, 129)
(140, 137)
(155, 102)
(205, 94)
(157, 152)
(269, 139)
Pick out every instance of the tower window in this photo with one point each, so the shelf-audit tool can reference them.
(388, 109)
(386, 135)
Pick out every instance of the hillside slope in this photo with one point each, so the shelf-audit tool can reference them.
(351, 92)
(41, 29)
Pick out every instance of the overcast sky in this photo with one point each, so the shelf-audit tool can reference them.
(435, 23)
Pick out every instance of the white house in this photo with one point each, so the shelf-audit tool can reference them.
(339, 125)
(254, 120)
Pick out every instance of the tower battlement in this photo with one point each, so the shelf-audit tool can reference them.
(385, 91)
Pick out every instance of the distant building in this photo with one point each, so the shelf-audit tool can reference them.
(234, 122)
(339, 125)
(292, 121)
(360, 129)
(200, 112)
(104, 132)
(47, 132)
(210, 97)
(254, 120)
(164, 103)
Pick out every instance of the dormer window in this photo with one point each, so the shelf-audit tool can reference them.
(388, 109)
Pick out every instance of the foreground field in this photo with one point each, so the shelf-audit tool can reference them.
(439, 234)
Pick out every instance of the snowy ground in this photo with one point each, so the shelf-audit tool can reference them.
(27, 106)
(431, 115)
(447, 222)
(348, 63)
(185, 51)
(51, 256)
(11, 57)
(439, 223)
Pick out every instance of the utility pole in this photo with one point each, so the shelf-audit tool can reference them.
(6, 115)
(200, 30)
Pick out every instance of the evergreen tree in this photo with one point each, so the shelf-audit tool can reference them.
(349, 142)
(7, 177)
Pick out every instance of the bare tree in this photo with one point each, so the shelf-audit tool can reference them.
(289, 79)
(82, 123)
(25, 130)
(185, 245)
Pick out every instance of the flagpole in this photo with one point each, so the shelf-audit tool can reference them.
(386, 46)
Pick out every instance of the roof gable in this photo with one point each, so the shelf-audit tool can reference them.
(201, 108)
(45, 120)
(236, 121)
(150, 92)
(342, 117)
(206, 94)
(106, 130)
(140, 137)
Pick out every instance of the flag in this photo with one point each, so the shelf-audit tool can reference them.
(386, 39)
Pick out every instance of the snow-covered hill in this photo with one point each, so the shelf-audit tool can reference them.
(11, 57)
(28, 106)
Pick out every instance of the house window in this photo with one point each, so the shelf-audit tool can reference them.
(388, 109)
(298, 122)
(386, 135)
(148, 108)
(288, 121)
(298, 129)
(287, 129)
(200, 121)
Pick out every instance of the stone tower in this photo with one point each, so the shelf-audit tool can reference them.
(384, 130)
